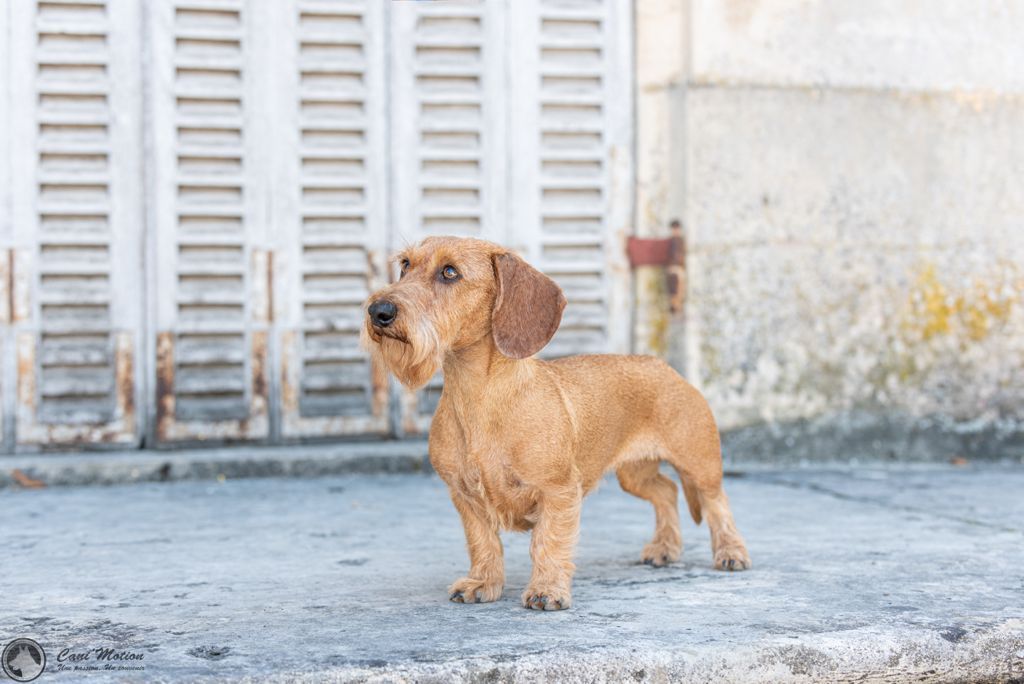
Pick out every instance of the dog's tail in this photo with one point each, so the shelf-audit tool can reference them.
(692, 499)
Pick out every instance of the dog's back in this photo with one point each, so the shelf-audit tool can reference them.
(624, 398)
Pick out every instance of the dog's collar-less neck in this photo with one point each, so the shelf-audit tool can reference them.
(471, 372)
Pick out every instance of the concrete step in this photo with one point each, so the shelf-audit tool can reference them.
(895, 574)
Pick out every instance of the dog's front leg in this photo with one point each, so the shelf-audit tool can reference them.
(551, 548)
(486, 557)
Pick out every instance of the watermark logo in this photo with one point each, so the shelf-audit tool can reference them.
(101, 659)
(23, 660)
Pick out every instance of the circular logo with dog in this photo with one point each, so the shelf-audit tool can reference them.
(23, 660)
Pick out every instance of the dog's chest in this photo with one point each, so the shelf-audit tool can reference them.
(494, 486)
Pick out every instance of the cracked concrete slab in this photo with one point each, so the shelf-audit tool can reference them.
(892, 574)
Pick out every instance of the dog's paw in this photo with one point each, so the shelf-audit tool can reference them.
(732, 557)
(470, 590)
(546, 598)
(660, 554)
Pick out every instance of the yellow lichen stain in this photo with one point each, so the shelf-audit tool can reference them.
(658, 319)
(932, 306)
(659, 335)
(984, 311)
(973, 312)
(906, 368)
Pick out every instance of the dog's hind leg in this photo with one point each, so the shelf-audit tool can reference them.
(697, 457)
(707, 499)
(642, 479)
(730, 553)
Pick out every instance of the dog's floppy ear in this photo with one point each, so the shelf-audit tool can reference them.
(527, 307)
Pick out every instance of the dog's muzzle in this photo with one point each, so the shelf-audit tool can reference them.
(382, 313)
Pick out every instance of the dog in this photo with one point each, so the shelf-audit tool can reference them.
(520, 441)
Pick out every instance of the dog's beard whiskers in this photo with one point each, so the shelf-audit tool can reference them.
(422, 355)
(376, 336)
(413, 355)
(429, 342)
(399, 337)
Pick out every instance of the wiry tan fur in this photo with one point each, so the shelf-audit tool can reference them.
(520, 441)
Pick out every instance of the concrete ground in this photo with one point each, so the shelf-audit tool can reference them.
(869, 575)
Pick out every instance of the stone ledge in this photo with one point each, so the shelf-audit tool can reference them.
(238, 462)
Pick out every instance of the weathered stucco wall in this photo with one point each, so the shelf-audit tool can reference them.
(852, 181)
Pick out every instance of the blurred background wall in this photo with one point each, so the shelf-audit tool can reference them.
(850, 173)
(196, 196)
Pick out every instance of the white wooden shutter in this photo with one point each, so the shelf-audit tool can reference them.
(331, 196)
(208, 210)
(449, 140)
(570, 200)
(76, 213)
(290, 147)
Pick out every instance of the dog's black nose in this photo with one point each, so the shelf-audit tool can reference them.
(382, 312)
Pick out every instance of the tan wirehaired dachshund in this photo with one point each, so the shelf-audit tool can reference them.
(520, 441)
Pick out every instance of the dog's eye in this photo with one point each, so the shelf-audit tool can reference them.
(404, 266)
(449, 273)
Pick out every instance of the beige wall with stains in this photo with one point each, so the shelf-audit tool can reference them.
(851, 176)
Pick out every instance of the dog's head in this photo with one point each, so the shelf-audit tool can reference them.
(454, 293)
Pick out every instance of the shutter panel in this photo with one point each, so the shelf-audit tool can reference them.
(571, 173)
(336, 181)
(76, 220)
(448, 113)
(448, 154)
(211, 291)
